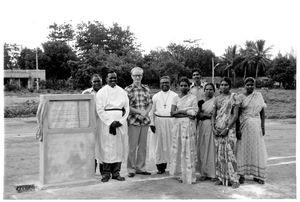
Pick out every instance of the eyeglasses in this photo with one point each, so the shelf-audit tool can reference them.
(137, 75)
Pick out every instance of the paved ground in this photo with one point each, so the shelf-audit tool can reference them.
(22, 164)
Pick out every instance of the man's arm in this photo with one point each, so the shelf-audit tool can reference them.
(262, 117)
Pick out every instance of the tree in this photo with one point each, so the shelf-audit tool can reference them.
(230, 61)
(112, 40)
(120, 41)
(256, 54)
(57, 55)
(283, 70)
(11, 54)
(27, 59)
(64, 32)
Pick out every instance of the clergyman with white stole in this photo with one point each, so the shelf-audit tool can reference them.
(162, 124)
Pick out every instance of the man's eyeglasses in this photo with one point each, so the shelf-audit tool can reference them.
(137, 75)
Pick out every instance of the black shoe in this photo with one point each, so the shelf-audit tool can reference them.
(143, 173)
(131, 174)
(259, 181)
(242, 179)
(119, 178)
(105, 179)
(161, 172)
(203, 178)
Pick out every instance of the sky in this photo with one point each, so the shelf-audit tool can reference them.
(157, 23)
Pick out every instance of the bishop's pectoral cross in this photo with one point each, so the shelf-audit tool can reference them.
(165, 106)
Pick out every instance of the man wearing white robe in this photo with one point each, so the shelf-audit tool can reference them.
(162, 124)
(113, 108)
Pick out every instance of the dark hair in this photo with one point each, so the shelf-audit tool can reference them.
(184, 79)
(210, 84)
(165, 77)
(110, 71)
(227, 80)
(196, 70)
(249, 79)
(96, 75)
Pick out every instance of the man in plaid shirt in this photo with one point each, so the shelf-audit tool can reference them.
(140, 103)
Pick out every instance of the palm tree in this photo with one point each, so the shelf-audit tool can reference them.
(247, 54)
(229, 61)
(256, 54)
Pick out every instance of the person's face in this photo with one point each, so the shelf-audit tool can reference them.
(184, 87)
(137, 77)
(196, 77)
(165, 84)
(209, 91)
(96, 83)
(112, 79)
(249, 86)
(224, 87)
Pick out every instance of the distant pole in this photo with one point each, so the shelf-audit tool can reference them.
(37, 68)
(213, 70)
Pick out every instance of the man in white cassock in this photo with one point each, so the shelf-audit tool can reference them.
(113, 108)
(162, 124)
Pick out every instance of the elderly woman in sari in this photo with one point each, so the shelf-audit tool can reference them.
(225, 114)
(251, 149)
(183, 155)
(205, 143)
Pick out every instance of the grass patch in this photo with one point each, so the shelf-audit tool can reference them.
(281, 104)
(25, 109)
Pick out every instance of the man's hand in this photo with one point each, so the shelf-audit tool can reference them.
(263, 131)
(224, 132)
(153, 129)
(113, 126)
(215, 132)
(144, 113)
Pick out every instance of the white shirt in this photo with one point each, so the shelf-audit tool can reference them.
(162, 102)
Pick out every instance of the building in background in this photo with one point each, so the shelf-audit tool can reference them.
(23, 78)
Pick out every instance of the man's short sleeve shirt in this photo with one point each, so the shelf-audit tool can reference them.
(139, 98)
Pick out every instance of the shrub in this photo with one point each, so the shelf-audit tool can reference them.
(26, 109)
(11, 87)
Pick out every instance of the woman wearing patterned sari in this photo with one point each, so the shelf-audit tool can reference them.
(251, 149)
(225, 114)
(183, 154)
(205, 143)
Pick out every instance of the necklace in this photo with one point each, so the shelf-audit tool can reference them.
(165, 100)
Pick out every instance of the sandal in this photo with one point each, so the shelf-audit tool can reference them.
(218, 182)
(259, 181)
(235, 185)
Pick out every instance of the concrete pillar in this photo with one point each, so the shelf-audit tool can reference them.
(19, 82)
(29, 83)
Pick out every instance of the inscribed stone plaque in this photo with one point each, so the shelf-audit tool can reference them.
(68, 114)
(68, 144)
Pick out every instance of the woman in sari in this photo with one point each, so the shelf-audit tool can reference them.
(225, 114)
(205, 143)
(184, 109)
(251, 149)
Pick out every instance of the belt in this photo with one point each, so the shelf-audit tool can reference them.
(114, 109)
(163, 116)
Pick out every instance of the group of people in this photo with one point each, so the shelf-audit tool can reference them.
(193, 133)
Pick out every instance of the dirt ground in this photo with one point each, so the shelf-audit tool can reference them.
(22, 167)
